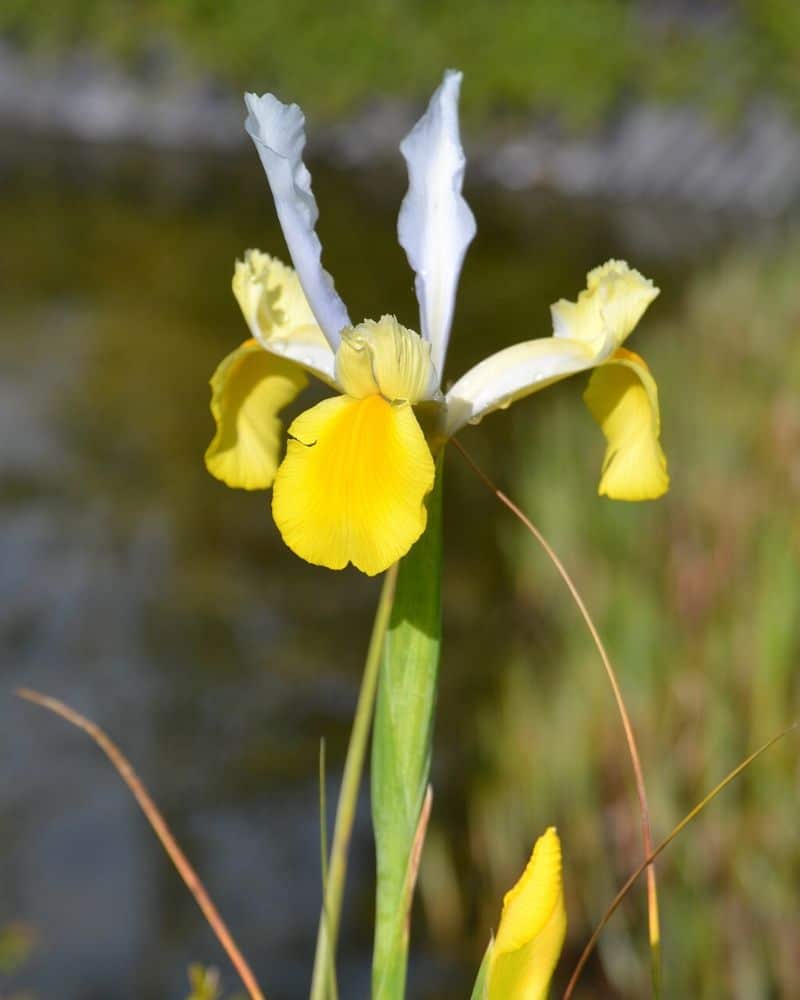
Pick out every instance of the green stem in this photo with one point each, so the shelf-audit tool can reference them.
(324, 958)
(401, 747)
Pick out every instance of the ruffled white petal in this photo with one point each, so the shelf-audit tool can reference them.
(513, 373)
(306, 351)
(436, 224)
(278, 131)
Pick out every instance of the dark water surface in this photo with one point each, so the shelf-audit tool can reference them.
(163, 605)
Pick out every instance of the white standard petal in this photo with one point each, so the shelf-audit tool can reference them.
(306, 351)
(278, 131)
(513, 373)
(436, 224)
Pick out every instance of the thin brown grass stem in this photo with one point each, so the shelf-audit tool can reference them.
(630, 739)
(125, 770)
(612, 908)
(416, 852)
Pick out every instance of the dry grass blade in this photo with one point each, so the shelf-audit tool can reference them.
(630, 739)
(162, 831)
(662, 846)
(416, 851)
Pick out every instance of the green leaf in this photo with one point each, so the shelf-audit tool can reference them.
(401, 744)
(480, 990)
(204, 983)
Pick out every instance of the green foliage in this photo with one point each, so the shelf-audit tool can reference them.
(401, 748)
(17, 942)
(480, 989)
(698, 597)
(205, 985)
(577, 60)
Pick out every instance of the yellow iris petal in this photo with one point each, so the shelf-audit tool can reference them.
(248, 390)
(614, 300)
(270, 296)
(532, 928)
(353, 483)
(623, 398)
(624, 294)
(386, 358)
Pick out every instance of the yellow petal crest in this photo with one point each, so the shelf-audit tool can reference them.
(614, 300)
(623, 399)
(248, 390)
(385, 358)
(624, 295)
(352, 486)
(532, 927)
(271, 298)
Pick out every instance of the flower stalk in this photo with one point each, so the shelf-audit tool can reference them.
(401, 746)
(324, 958)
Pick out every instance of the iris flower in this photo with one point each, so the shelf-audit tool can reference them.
(359, 465)
(523, 955)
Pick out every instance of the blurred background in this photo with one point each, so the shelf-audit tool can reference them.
(146, 594)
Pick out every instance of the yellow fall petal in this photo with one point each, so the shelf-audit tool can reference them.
(248, 390)
(623, 398)
(532, 927)
(353, 483)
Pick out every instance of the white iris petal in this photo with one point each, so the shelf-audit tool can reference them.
(513, 373)
(436, 225)
(278, 131)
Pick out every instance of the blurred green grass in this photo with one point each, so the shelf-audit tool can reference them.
(698, 599)
(17, 944)
(205, 984)
(576, 61)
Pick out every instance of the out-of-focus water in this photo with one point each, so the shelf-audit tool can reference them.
(163, 605)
